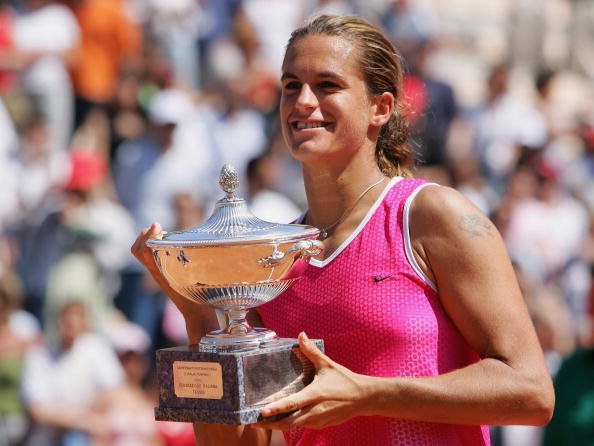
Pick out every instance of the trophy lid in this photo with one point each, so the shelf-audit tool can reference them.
(232, 223)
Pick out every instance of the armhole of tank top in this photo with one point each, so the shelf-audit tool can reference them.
(410, 255)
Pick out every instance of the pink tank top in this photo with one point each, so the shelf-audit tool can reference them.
(378, 315)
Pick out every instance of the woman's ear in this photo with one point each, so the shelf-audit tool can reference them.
(382, 108)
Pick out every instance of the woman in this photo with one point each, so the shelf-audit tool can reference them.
(414, 294)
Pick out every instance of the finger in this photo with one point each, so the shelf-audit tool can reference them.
(312, 352)
(311, 416)
(138, 249)
(156, 229)
(287, 422)
(293, 402)
(147, 232)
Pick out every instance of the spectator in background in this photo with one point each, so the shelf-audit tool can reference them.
(61, 382)
(408, 24)
(40, 169)
(127, 410)
(543, 85)
(31, 183)
(546, 229)
(176, 26)
(45, 37)
(573, 420)
(22, 323)
(557, 336)
(110, 43)
(176, 156)
(126, 114)
(273, 22)
(505, 127)
(188, 212)
(79, 249)
(137, 157)
(520, 186)
(9, 144)
(264, 201)
(14, 421)
(161, 173)
(246, 93)
(578, 174)
(7, 78)
(469, 181)
(238, 131)
(252, 82)
(437, 109)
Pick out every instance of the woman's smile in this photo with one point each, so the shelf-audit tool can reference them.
(309, 125)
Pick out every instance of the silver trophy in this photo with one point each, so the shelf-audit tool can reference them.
(232, 262)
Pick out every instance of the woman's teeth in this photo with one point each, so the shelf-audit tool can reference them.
(308, 125)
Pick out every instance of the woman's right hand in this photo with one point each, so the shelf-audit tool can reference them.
(142, 252)
(199, 318)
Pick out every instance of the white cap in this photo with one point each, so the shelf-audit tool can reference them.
(128, 337)
(170, 106)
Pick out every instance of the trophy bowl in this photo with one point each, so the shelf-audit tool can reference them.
(233, 262)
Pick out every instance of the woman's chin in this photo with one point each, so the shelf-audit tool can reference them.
(308, 152)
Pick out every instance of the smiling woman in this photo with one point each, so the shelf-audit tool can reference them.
(427, 337)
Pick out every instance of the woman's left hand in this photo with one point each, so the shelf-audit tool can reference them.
(334, 396)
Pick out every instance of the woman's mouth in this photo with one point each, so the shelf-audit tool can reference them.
(301, 125)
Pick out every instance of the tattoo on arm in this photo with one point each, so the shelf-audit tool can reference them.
(475, 225)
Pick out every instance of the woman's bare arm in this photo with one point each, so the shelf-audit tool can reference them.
(461, 250)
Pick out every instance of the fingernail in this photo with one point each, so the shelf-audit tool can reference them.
(304, 338)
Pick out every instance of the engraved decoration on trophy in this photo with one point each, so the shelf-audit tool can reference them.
(232, 262)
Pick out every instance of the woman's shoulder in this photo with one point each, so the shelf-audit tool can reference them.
(425, 196)
(439, 201)
(443, 207)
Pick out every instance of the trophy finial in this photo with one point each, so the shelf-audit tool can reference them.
(229, 180)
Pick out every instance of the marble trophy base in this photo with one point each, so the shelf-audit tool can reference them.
(229, 387)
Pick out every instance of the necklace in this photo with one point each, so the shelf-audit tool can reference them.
(324, 231)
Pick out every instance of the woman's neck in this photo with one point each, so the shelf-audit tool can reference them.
(332, 192)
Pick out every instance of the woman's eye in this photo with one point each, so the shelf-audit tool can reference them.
(329, 84)
(292, 85)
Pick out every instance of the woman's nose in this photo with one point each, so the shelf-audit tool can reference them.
(307, 98)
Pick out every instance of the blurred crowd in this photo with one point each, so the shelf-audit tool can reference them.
(118, 113)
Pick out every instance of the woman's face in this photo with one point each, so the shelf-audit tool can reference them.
(325, 108)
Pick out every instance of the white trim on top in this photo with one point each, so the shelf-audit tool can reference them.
(350, 238)
(406, 233)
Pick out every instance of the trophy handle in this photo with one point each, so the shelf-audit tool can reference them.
(307, 248)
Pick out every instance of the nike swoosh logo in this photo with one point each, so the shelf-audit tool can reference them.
(379, 279)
